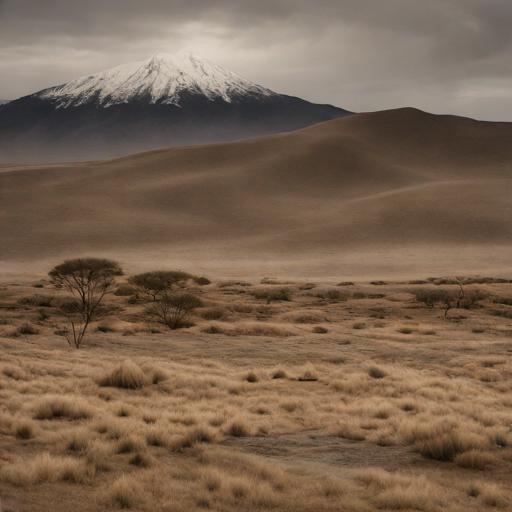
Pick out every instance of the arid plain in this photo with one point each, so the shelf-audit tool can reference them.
(314, 376)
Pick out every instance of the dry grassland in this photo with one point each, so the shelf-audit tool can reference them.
(354, 398)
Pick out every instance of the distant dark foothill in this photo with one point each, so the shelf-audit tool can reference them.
(168, 100)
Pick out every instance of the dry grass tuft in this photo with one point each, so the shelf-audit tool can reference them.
(238, 428)
(130, 445)
(142, 460)
(475, 459)
(127, 376)
(493, 496)
(125, 492)
(25, 429)
(445, 446)
(46, 468)
(55, 407)
(80, 441)
(279, 374)
(195, 436)
(318, 329)
(99, 455)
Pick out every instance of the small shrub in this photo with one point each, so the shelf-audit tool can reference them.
(43, 315)
(252, 377)
(346, 283)
(405, 330)
(279, 374)
(44, 301)
(359, 325)
(333, 294)
(27, 330)
(308, 376)
(242, 308)
(307, 286)
(282, 294)
(202, 281)
(318, 329)
(307, 319)
(376, 373)
(478, 330)
(216, 313)
(125, 290)
(127, 375)
(378, 283)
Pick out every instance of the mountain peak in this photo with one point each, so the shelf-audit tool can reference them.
(164, 78)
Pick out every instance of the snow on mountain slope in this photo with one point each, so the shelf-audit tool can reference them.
(162, 78)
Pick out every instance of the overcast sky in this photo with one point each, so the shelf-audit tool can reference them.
(442, 56)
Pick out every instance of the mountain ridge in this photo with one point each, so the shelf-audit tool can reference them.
(167, 100)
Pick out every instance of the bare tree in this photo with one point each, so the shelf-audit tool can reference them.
(88, 280)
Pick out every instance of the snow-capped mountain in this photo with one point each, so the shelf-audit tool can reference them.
(162, 79)
(167, 100)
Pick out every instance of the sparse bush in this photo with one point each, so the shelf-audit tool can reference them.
(308, 319)
(27, 330)
(346, 283)
(279, 374)
(309, 375)
(202, 281)
(307, 286)
(216, 313)
(359, 325)
(125, 290)
(318, 329)
(127, 375)
(43, 315)
(281, 294)
(378, 283)
(405, 330)
(333, 294)
(24, 430)
(41, 301)
(252, 377)
(376, 373)
(172, 308)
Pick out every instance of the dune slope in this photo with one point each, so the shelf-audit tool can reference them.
(409, 191)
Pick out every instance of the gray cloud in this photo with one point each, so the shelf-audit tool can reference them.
(442, 55)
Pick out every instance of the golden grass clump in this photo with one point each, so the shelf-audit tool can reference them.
(55, 407)
(46, 468)
(99, 455)
(238, 428)
(475, 459)
(125, 492)
(79, 441)
(445, 444)
(127, 376)
(130, 445)
(195, 436)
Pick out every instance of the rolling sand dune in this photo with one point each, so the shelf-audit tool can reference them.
(390, 193)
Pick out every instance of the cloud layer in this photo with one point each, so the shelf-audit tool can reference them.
(444, 56)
